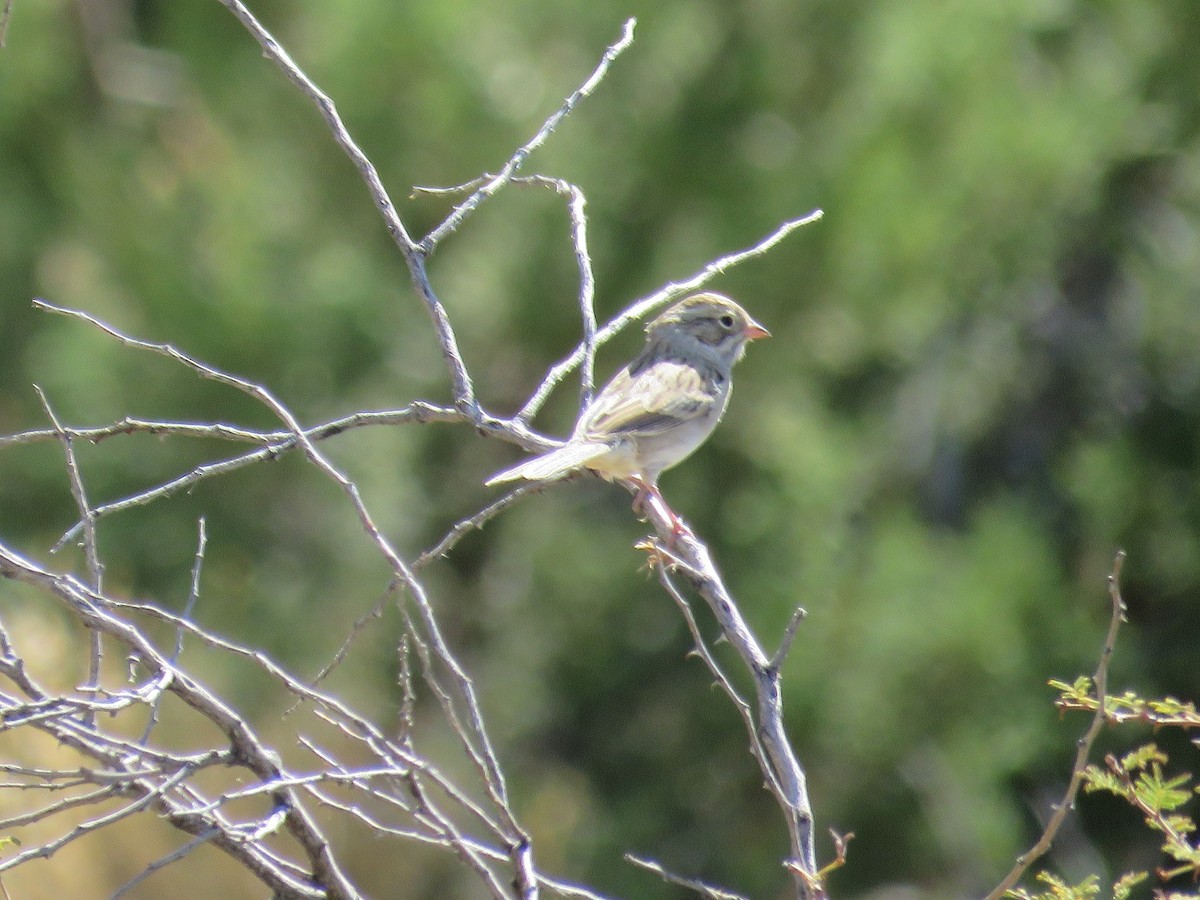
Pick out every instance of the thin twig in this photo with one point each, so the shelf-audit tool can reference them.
(789, 637)
(1083, 746)
(91, 555)
(562, 888)
(50, 847)
(407, 713)
(481, 756)
(723, 681)
(130, 425)
(275, 52)
(444, 190)
(193, 596)
(700, 887)
(97, 612)
(194, 589)
(464, 392)
(587, 292)
(419, 411)
(782, 771)
(356, 629)
(475, 522)
(100, 795)
(164, 861)
(401, 758)
(510, 168)
(576, 203)
(278, 443)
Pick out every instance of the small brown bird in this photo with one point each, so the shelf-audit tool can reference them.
(662, 406)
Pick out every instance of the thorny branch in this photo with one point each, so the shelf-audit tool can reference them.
(1083, 746)
(783, 775)
(576, 202)
(90, 552)
(262, 813)
(155, 778)
(493, 185)
(692, 884)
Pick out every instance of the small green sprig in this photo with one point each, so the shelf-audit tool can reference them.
(1057, 889)
(1138, 778)
(1127, 707)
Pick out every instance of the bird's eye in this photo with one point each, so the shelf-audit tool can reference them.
(726, 321)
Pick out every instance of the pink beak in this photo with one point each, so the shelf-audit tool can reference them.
(754, 331)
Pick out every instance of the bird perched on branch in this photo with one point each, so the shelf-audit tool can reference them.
(659, 408)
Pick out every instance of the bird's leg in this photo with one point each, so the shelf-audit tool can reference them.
(648, 498)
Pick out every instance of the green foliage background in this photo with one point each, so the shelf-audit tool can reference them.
(984, 378)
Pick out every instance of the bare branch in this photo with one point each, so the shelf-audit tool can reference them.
(276, 444)
(45, 812)
(418, 412)
(789, 636)
(782, 770)
(275, 52)
(194, 591)
(343, 650)
(475, 522)
(165, 861)
(90, 554)
(493, 185)
(130, 425)
(193, 596)
(664, 561)
(576, 203)
(93, 610)
(700, 887)
(49, 848)
(464, 392)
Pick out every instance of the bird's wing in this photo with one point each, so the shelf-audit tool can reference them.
(655, 399)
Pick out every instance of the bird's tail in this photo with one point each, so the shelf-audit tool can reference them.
(555, 464)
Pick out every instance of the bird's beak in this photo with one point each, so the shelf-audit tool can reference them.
(754, 331)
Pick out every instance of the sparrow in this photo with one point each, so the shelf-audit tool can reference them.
(660, 407)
